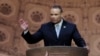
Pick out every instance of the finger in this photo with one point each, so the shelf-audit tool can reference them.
(21, 21)
(26, 22)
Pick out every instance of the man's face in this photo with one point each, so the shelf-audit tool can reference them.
(55, 15)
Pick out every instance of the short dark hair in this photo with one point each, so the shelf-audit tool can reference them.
(57, 6)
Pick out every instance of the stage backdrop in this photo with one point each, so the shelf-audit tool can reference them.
(84, 13)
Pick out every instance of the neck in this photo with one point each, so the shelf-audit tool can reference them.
(59, 21)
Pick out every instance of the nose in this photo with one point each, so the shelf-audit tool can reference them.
(53, 16)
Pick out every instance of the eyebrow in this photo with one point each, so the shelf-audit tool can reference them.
(53, 14)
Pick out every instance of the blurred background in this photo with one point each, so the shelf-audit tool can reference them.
(84, 13)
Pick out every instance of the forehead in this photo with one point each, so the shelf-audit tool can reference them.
(55, 10)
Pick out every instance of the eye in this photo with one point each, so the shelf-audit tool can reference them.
(51, 14)
(56, 14)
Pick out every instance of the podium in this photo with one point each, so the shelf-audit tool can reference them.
(57, 51)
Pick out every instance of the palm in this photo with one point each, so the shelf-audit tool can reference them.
(23, 24)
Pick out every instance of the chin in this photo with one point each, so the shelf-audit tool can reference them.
(54, 22)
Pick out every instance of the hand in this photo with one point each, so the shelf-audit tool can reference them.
(87, 48)
(23, 24)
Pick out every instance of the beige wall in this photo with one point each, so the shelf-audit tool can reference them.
(84, 13)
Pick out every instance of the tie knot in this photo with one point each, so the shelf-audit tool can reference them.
(57, 25)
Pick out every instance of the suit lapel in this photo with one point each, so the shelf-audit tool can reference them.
(63, 27)
(53, 32)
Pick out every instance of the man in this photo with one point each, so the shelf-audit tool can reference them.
(58, 32)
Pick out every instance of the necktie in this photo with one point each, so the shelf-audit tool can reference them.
(57, 28)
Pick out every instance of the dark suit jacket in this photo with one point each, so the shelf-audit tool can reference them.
(48, 34)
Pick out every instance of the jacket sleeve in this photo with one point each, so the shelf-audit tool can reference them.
(33, 38)
(79, 41)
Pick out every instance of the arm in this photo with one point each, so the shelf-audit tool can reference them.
(33, 38)
(30, 38)
(79, 41)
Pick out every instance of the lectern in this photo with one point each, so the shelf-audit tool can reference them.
(57, 51)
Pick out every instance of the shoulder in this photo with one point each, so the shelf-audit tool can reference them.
(71, 26)
(69, 23)
(46, 24)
